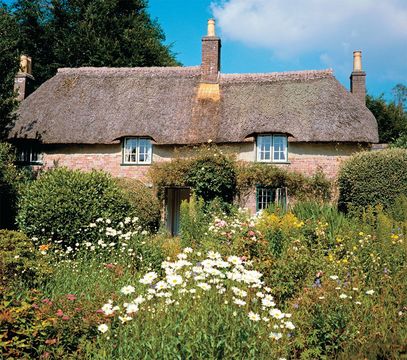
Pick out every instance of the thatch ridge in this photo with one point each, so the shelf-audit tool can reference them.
(304, 75)
(168, 71)
(101, 105)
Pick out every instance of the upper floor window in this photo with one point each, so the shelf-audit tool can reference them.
(29, 154)
(137, 151)
(272, 148)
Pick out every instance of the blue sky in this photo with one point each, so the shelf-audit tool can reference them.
(285, 35)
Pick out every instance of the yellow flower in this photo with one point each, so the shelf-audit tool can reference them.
(361, 233)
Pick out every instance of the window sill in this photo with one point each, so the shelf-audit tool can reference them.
(125, 164)
(274, 162)
(22, 163)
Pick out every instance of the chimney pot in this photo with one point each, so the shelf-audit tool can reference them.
(357, 60)
(26, 64)
(211, 27)
(24, 81)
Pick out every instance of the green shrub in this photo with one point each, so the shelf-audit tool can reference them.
(61, 202)
(371, 178)
(209, 173)
(19, 260)
(145, 205)
(212, 175)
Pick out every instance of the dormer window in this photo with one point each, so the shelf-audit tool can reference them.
(137, 150)
(272, 148)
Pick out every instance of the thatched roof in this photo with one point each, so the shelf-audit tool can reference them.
(170, 105)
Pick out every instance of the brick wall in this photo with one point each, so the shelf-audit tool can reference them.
(305, 158)
(358, 85)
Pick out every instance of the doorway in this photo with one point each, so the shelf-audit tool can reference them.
(173, 199)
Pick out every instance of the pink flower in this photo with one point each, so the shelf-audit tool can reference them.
(47, 301)
(109, 266)
(71, 297)
(251, 233)
(60, 313)
(65, 317)
(100, 311)
(35, 306)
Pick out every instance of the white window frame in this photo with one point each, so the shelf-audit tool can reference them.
(262, 149)
(139, 143)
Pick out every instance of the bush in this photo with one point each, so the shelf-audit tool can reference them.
(61, 202)
(371, 178)
(19, 259)
(212, 175)
(146, 206)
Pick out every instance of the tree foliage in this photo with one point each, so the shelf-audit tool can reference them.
(391, 116)
(9, 34)
(73, 33)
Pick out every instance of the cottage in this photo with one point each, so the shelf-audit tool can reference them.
(123, 119)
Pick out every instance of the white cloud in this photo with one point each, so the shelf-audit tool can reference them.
(296, 26)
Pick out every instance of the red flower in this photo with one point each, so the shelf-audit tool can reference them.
(60, 313)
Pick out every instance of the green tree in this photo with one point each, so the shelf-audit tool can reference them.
(391, 117)
(400, 95)
(73, 33)
(9, 63)
(32, 17)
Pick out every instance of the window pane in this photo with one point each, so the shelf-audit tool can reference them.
(144, 151)
(264, 148)
(280, 148)
(264, 198)
(130, 150)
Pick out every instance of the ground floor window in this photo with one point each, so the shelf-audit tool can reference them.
(267, 196)
(28, 154)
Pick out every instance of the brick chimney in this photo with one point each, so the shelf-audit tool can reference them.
(24, 81)
(358, 78)
(211, 45)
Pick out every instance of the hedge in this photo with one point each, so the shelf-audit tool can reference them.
(371, 178)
